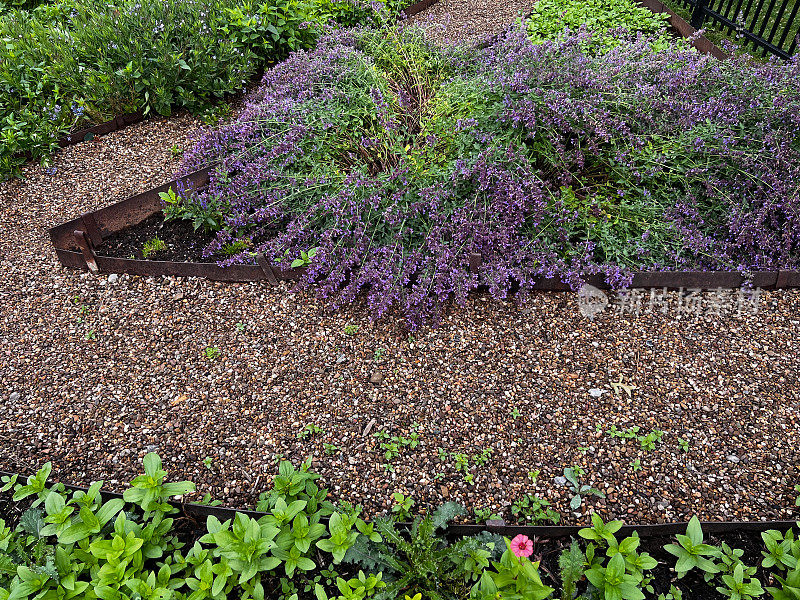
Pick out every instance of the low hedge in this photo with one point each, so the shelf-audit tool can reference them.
(80, 62)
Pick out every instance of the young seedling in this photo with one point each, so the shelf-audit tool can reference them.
(692, 553)
(402, 505)
(351, 329)
(579, 490)
(485, 514)
(309, 430)
(684, 444)
(212, 352)
(153, 246)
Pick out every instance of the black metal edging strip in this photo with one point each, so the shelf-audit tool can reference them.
(499, 527)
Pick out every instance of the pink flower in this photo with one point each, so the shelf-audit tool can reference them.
(522, 546)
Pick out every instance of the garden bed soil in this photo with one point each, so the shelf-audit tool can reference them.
(183, 243)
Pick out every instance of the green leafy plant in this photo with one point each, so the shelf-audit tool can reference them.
(570, 564)
(330, 449)
(531, 507)
(351, 329)
(209, 215)
(153, 246)
(309, 430)
(212, 352)
(402, 505)
(692, 552)
(304, 261)
(579, 490)
(485, 514)
(736, 587)
(624, 572)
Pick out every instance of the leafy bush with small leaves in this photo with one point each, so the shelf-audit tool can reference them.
(531, 507)
(73, 63)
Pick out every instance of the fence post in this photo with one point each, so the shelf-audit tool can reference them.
(698, 15)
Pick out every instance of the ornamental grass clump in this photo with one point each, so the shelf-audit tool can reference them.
(396, 160)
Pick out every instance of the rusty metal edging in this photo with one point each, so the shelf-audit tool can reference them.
(76, 244)
(202, 511)
(680, 24)
(418, 7)
(114, 124)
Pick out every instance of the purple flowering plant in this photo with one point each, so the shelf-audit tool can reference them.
(396, 160)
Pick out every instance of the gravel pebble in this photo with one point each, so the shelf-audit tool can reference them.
(110, 372)
(470, 21)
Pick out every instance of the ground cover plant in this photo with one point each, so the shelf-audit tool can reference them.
(74, 63)
(57, 544)
(551, 19)
(394, 161)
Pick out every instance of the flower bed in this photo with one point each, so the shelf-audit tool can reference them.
(71, 64)
(65, 544)
(394, 161)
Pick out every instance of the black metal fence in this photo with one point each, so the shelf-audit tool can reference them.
(772, 26)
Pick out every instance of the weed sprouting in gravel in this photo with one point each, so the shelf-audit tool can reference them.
(310, 429)
(579, 490)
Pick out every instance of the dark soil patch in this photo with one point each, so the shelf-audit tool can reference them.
(183, 243)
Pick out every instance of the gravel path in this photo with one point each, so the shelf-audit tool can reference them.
(95, 371)
(472, 21)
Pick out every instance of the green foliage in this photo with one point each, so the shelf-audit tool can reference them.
(570, 564)
(623, 574)
(692, 553)
(73, 63)
(309, 430)
(485, 514)
(513, 578)
(531, 507)
(402, 505)
(209, 215)
(153, 246)
(573, 475)
(391, 446)
(549, 19)
(422, 562)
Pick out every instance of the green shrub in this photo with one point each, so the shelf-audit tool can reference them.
(550, 18)
(79, 62)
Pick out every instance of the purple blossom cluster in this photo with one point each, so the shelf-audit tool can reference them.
(399, 161)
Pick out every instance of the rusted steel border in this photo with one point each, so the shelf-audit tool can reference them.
(114, 124)
(417, 8)
(79, 251)
(202, 511)
(680, 25)
(76, 243)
